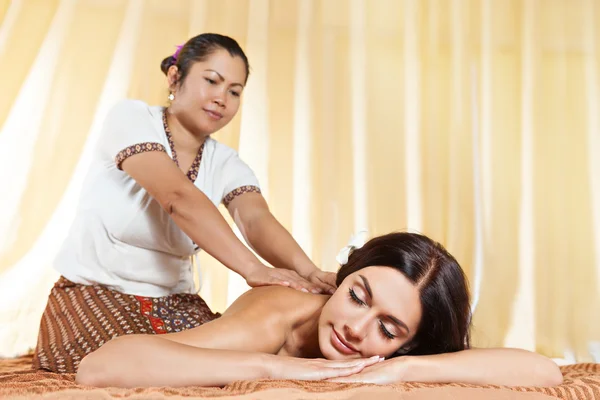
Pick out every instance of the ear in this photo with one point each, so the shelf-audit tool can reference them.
(173, 77)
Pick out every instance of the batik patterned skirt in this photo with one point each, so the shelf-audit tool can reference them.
(78, 319)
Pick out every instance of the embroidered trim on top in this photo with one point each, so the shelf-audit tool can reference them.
(238, 192)
(192, 173)
(137, 149)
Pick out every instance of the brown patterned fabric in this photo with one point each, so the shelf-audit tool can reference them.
(136, 149)
(238, 192)
(18, 380)
(79, 319)
(192, 173)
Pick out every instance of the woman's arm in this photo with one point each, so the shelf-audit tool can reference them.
(150, 360)
(508, 367)
(191, 210)
(239, 345)
(273, 242)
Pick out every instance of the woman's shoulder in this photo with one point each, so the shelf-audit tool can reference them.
(132, 108)
(281, 301)
(130, 104)
(223, 151)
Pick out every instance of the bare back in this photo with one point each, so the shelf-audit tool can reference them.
(272, 320)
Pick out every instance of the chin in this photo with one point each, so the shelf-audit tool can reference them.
(207, 130)
(209, 127)
(325, 347)
(331, 354)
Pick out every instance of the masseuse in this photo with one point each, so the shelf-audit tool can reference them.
(149, 204)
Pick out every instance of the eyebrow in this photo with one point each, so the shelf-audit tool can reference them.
(223, 79)
(392, 318)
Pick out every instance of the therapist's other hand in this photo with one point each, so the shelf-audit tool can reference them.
(265, 276)
(324, 280)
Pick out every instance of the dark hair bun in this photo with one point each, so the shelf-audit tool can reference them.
(166, 63)
(197, 49)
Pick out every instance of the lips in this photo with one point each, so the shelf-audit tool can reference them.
(341, 345)
(213, 114)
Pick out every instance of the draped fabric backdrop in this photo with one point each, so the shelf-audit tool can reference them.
(476, 122)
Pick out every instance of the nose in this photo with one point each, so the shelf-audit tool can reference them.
(220, 97)
(355, 330)
(218, 100)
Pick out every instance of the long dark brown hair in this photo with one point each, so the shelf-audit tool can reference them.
(443, 287)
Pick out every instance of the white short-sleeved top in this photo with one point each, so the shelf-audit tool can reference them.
(121, 237)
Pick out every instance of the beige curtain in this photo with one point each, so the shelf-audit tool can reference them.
(476, 122)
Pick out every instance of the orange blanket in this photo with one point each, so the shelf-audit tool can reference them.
(17, 380)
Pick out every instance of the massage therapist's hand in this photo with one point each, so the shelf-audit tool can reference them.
(265, 276)
(324, 280)
(282, 367)
(383, 373)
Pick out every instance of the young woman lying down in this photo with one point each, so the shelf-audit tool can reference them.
(401, 313)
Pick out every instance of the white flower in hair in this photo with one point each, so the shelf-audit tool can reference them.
(356, 242)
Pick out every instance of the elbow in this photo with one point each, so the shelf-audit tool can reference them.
(540, 372)
(93, 372)
(174, 202)
(549, 374)
(103, 367)
(251, 226)
(543, 372)
(171, 202)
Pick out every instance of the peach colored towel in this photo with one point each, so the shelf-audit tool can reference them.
(18, 380)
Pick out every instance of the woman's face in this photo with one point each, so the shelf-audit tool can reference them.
(375, 311)
(210, 94)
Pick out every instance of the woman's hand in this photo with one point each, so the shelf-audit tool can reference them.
(385, 372)
(265, 276)
(316, 368)
(324, 280)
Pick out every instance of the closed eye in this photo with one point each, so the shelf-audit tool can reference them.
(385, 331)
(382, 328)
(211, 81)
(355, 298)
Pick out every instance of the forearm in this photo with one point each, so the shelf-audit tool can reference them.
(147, 360)
(195, 214)
(509, 367)
(276, 245)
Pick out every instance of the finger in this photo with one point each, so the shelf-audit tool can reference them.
(277, 280)
(330, 279)
(323, 287)
(351, 363)
(299, 283)
(302, 284)
(330, 289)
(306, 286)
(325, 284)
(267, 282)
(373, 360)
(340, 372)
(298, 286)
(313, 287)
(317, 288)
